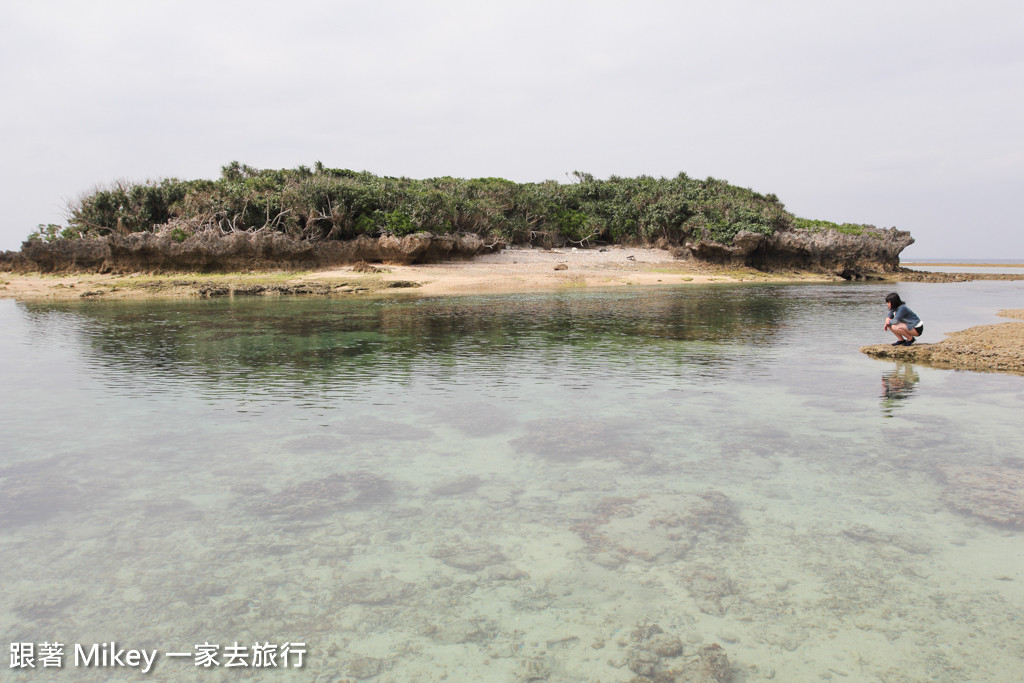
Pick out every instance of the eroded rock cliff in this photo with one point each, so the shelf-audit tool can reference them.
(827, 251)
(241, 251)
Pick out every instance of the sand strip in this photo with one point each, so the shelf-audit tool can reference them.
(511, 270)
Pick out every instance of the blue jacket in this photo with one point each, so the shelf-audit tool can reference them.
(904, 315)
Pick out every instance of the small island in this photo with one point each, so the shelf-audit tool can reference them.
(316, 218)
(328, 231)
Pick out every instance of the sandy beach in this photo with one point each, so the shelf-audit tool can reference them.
(510, 270)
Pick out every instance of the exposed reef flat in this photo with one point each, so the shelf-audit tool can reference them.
(991, 348)
(908, 275)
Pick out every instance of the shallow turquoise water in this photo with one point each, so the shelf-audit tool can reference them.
(504, 487)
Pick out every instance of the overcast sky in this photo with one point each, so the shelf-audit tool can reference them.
(907, 114)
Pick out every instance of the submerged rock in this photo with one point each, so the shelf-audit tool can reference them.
(473, 419)
(534, 669)
(711, 665)
(466, 631)
(455, 487)
(656, 656)
(471, 557)
(570, 441)
(374, 428)
(35, 491)
(644, 662)
(319, 497)
(995, 494)
(865, 534)
(711, 588)
(374, 590)
(364, 667)
(665, 645)
(506, 572)
(658, 528)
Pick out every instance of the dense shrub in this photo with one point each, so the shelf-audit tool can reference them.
(818, 226)
(324, 203)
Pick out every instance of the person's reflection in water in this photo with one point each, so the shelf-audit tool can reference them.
(897, 386)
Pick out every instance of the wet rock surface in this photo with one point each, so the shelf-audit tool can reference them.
(989, 348)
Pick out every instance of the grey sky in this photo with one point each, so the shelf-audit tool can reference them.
(891, 113)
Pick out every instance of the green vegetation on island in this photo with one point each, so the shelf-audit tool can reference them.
(322, 203)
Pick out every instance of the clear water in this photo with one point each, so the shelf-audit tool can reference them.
(504, 488)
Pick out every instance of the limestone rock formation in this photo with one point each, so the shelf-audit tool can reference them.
(828, 251)
(241, 251)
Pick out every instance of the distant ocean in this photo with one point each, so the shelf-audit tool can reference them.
(974, 261)
(957, 265)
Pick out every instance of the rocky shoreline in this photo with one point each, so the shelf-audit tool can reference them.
(908, 275)
(242, 251)
(826, 252)
(986, 348)
(472, 269)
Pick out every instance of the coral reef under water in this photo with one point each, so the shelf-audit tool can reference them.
(661, 657)
(577, 440)
(317, 497)
(36, 491)
(995, 494)
(657, 528)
